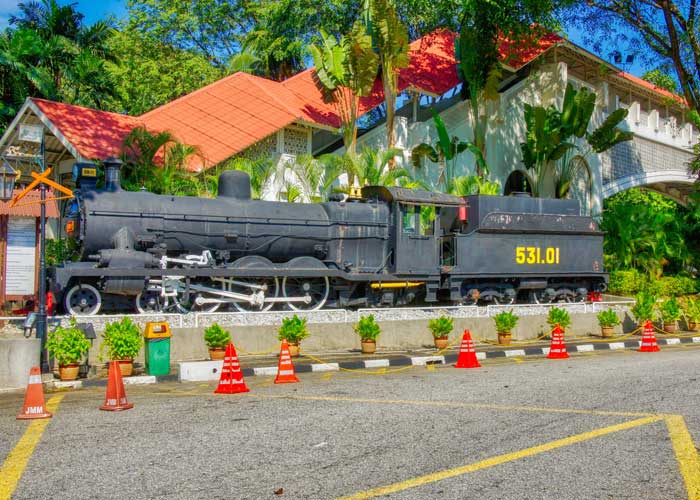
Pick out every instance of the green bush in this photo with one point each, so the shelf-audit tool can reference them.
(670, 310)
(559, 317)
(367, 328)
(67, 345)
(216, 337)
(673, 286)
(441, 327)
(644, 308)
(628, 282)
(691, 309)
(122, 340)
(631, 282)
(505, 321)
(61, 250)
(608, 318)
(293, 330)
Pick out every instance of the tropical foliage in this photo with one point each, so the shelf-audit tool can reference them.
(608, 318)
(441, 327)
(552, 133)
(367, 328)
(67, 344)
(347, 69)
(216, 337)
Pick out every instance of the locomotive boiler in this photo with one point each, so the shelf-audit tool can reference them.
(391, 246)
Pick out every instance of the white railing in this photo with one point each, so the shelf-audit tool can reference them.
(330, 316)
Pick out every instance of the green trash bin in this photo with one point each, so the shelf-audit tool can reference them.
(157, 348)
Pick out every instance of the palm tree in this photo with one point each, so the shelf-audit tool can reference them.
(445, 153)
(158, 162)
(261, 171)
(20, 75)
(317, 175)
(553, 135)
(346, 69)
(390, 38)
(371, 168)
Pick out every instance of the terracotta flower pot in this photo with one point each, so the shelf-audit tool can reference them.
(294, 349)
(368, 346)
(607, 331)
(441, 342)
(693, 327)
(217, 353)
(68, 372)
(504, 338)
(671, 327)
(126, 366)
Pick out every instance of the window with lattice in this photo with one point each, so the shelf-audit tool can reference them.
(295, 141)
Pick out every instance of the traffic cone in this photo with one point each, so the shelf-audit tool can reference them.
(649, 339)
(285, 369)
(231, 381)
(34, 406)
(467, 354)
(557, 349)
(115, 399)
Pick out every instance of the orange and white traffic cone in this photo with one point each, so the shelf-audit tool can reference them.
(467, 354)
(649, 339)
(231, 381)
(115, 398)
(557, 349)
(285, 369)
(34, 406)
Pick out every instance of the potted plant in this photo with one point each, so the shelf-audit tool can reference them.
(368, 330)
(505, 322)
(670, 312)
(643, 308)
(692, 314)
(123, 341)
(216, 339)
(293, 330)
(608, 320)
(441, 328)
(67, 346)
(559, 317)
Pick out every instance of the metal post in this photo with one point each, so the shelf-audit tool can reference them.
(41, 319)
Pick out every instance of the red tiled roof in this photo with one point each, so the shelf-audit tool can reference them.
(94, 134)
(652, 87)
(231, 114)
(29, 206)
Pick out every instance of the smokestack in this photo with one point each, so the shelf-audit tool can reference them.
(113, 167)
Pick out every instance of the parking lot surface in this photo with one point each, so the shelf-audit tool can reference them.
(600, 425)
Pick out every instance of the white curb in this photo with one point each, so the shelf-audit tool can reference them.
(199, 371)
(424, 360)
(585, 348)
(325, 367)
(265, 370)
(141, 380)
(616, 345)
(514, 352)
(480, 355)
(673, 341)
(376, 363)
(67, 384)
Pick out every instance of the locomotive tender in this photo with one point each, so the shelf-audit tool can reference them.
(392, 246)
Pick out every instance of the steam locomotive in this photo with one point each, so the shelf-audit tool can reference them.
(390, 246)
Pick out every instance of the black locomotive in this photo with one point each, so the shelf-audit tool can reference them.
(391, 246)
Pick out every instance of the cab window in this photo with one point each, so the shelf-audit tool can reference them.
(409, 219)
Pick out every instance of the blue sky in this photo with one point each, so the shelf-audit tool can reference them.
(100, 9)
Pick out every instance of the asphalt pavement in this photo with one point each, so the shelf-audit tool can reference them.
(599, 425)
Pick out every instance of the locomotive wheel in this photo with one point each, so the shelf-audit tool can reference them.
(315, 288)
(83, 300)
(272, 285)
(150, 302)
(190, 305)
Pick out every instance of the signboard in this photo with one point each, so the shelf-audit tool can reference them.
(31, 133)
(20, 270)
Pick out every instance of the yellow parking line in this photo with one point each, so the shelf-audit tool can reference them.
(450, 404)
(15, 463)
(686, 454)
(500, 459)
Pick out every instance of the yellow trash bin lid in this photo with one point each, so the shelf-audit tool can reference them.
(157, 330)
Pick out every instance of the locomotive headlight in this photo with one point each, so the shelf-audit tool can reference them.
(70, 227)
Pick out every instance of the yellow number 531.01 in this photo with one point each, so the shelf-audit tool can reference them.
(536, 255)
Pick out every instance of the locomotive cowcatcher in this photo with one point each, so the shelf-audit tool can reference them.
(391, 246)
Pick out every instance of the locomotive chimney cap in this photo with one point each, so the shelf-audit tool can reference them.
(113, 167)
